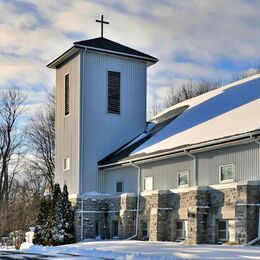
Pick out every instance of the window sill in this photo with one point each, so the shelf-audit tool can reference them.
(183, 186)
(227, 181)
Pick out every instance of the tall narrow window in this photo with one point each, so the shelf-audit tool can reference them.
(223, 230)
(113, 97)
(181, 229)
(67, 94)
(145, 229)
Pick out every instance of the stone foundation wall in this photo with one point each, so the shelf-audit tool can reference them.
(201, 208)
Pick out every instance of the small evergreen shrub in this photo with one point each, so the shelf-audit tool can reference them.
(55, 224)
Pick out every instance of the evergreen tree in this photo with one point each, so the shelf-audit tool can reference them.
(54, 234)
(42, 221)
(60, 229)
(68, 217)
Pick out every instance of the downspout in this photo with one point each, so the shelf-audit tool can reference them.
(194, 166)
(81, 134)
(138, 200)
(81, 218)
(258, 205)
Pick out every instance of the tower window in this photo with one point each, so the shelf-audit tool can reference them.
(66, 164)
(113, 97)
(67, 93)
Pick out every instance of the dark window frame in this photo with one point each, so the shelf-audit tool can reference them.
(113, 92)
(67, 94)
(122, 186)
(145, 229)
(222, 230)
(222, 172)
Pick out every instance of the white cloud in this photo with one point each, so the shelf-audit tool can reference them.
(190, 38)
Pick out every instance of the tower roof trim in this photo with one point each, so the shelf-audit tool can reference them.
(103, 45)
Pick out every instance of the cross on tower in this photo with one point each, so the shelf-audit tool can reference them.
(102, 22)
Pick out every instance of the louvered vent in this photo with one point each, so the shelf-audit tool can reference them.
(113, 92)
(67, 94)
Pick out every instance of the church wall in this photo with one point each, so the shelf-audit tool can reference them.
(165, 172)
(103, 133)
(67, 127)
(128, 175)
(246, 159)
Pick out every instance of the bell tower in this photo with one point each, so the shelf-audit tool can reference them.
(100, 106)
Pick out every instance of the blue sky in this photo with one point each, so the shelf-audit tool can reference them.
(193, 39)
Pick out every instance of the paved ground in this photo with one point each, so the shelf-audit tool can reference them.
(10, 254)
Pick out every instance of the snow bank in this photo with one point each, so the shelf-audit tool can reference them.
(26, 245)
(145, 250)
(74, 250)
(93, 194)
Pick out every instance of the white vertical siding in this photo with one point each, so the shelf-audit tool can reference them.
(165, 172)
(128, 175)
(102, 133)
(246, 159)
(67, 128)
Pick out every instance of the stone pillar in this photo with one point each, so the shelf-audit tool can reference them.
(158, 216)
(127, 215)
(197, 216)
(247, 212)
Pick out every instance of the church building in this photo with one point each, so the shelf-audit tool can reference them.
(192, 173)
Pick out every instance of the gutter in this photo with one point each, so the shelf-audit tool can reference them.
(138, 201)
(180, 152)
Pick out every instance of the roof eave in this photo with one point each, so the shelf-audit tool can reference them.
(197, 147)
(150, 60)
(63, 57)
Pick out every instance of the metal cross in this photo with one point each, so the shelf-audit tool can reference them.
(102, 22)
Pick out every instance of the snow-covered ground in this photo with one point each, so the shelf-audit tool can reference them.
(145, 250)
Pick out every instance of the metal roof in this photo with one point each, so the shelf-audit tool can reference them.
(103, 45)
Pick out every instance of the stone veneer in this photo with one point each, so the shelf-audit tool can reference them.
(201, 207)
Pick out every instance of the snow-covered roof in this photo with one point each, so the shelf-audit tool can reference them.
(227, 111)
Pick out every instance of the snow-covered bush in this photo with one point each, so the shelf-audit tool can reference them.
(18, 238)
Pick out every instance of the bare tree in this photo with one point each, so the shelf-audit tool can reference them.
(187, 90)
(245, 73)
(11, 108)
(154, 109)
(23, 206)
(41, 133)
